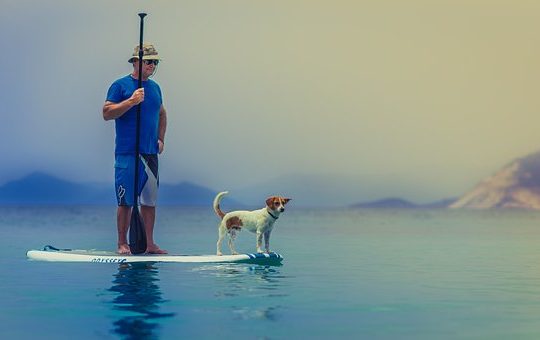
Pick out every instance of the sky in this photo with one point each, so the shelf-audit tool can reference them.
(416, 99)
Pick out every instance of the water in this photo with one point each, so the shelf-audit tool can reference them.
(424, 274)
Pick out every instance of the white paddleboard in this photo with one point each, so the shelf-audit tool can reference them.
(72, 255)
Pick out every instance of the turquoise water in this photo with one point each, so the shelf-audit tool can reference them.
(419, 274)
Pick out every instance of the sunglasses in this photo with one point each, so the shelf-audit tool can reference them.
(151, 61)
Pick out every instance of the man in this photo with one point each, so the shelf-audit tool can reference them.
(123, 97)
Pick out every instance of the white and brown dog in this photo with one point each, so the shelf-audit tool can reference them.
(259, 221)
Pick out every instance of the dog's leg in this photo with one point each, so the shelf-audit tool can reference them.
(222, 232)
(232, 237)
(259, 241)
(267, 241)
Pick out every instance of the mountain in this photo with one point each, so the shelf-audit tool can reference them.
(390, 203)
(399, 203)
(43, 189)
(39, 188)
(515, 185)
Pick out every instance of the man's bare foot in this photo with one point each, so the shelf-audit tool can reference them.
(154, 249)
(123, 249)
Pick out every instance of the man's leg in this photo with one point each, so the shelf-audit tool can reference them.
(148, 214)
(123, 216)
(123, 183)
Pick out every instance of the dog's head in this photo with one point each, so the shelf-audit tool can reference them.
(277, 203)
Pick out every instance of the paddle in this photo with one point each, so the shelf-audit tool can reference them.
(137, 234)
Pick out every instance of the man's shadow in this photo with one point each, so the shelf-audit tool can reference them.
(138, 295)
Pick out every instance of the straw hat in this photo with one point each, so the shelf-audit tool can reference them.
(149, 53)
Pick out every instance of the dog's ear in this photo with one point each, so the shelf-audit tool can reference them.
(286, 200)
(270, 201)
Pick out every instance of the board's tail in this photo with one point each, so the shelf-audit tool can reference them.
(217, 200)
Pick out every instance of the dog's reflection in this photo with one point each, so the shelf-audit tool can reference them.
(138, 295)
(253, 291)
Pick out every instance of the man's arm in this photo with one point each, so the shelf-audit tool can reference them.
(162, 128)
(115, 110)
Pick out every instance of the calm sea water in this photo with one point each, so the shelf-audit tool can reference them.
(347, 274)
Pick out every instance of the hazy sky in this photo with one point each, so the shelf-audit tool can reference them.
(426, 96)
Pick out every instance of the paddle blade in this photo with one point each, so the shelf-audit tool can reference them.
(137, 235)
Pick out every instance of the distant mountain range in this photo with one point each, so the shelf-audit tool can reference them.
(516, 185)
(39, 188)
(398, 203)
(42, 189)
(387, 203)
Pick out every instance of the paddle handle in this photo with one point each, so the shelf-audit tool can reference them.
(141, 50)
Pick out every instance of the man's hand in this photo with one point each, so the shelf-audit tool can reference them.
(161, 146)
(116, 110)
(137, 97)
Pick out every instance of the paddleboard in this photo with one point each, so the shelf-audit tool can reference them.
(53, 254)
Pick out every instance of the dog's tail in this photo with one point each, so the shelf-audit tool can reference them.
(217, 200)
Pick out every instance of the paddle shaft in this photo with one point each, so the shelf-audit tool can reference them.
(137, 233)
(138, 128)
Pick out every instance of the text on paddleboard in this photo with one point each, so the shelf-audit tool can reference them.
(108, 260)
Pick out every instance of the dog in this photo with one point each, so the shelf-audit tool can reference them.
(260, 222)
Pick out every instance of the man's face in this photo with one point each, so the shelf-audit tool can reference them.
(148, 67)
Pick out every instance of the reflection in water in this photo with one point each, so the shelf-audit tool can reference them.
(138, 295)
(249, 288)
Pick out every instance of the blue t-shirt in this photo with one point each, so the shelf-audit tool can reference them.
(126, 125)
